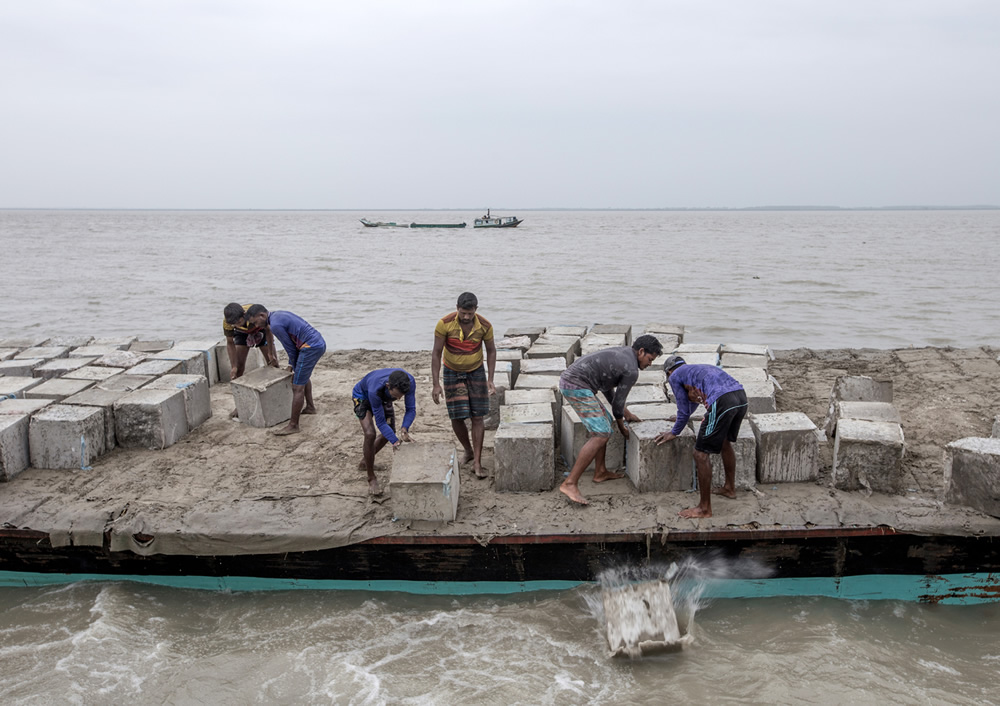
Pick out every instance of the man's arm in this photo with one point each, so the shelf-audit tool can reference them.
(411, 410)
(270, 352)
(231, 352)
(685, 408)
(491, 364)
(436, 368)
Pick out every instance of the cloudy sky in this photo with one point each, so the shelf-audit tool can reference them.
(408, 104)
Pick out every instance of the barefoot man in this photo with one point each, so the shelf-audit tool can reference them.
(373, 398)
(304, 346)
(726, 403)
(240, 339)
(459, 338)
(612, 371)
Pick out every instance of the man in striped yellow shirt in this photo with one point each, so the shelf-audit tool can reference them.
(459, 339)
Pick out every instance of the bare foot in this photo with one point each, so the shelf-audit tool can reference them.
(695, 512)
(362, 466)
(724, 492)
(478, 470)
(234, 414)
(309, 410)
(607, 475)
(573, 493)
(373, 488)
(285, 431)
(469, 455)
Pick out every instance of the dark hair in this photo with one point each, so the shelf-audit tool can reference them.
(649, 343)
(256, 309)
(232, 313)
(467, 300)
(400, 380)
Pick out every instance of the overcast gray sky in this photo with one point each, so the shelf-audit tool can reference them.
(519, 104)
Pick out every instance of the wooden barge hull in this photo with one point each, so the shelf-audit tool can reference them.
(862, 563)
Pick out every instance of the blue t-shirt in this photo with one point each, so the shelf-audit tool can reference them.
(294, 333)
(372, 388)
(712, 380)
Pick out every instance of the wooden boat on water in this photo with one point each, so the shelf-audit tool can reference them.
(489, 221)
(391, 224)
(437, 225)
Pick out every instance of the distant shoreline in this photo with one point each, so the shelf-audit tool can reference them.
(722, 209)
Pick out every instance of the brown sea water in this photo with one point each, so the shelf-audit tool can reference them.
(788, 279)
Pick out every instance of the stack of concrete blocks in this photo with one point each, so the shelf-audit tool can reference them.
(104, 400)
(744, 355)
(555, 346)
(197, 397)
(60, 367)
(263, 397)
(424, 482)
(660, 468)
(787, 447)
(669, 335)
(502, 383)
(208, 349)
(593, 342)
(512, 356)
(613, 330)
(745, 449)
(972, 474)
(854, 388)
(66, 436)
(150, 419)
(58, 389)
(699, 353)
(193, 362)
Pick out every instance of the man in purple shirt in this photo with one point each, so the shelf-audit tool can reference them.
(304, 346)
(726, 403)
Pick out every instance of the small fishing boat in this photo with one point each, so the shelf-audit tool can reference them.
(489, 221)
(383, 224)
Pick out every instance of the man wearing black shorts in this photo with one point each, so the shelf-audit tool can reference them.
(726, 403)
(373, 397)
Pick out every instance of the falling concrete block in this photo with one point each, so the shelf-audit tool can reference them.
(614, 329)
(197, 398)
(868, 454)
(760, 397)
(96, 373)
(194, 362)
(538, 396)
(150, 346)
(157, 368)
(150, 419)
(424, 482)
(19, 367)
(125, 381)
(573, 435)
(15, 452)
(532, 332)
(972, 474)
(263, 397)
(17, 405)
(105, 400)
(576, 331)
(787, 447)
(543, 366)
(66, 436)
(659, 468)
(57, 389)
(43, 353)
(16, 386)
(745, 449)
(524, 457)
(640, 620)
(58, 367)
(208, 348)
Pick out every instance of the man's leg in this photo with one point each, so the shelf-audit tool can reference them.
(309, 407)
(478, 433)
(238, 361)
(601, 472)
(462, 433)
(704, 508)
(729, 464)
(372, 446)
(298, 401)
(570, 487)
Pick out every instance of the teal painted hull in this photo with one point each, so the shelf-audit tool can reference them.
(948, 589)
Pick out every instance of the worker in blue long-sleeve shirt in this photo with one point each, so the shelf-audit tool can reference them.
(373, 398)
(726, 405)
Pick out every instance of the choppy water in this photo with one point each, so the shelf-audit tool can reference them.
(788, 279)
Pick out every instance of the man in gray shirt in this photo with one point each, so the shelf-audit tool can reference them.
(612, 371)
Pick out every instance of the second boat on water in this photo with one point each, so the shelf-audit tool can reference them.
(384, 224)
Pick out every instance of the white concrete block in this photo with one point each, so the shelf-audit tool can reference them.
(531, 332)
(150, 346)
(57, 389)
(96, 373)
(699, 358)
(575, 330)
(424, 483)
(565, 350)
(648, 412)
(539, 413)
(197, 398)
(787, 447)
(653, 468)
(208, 347)
(121, 359)
(8, 353)
(760, 397)
(614, 329)
(746, 460)
(16, 386)
(255, 359)
(518, 343)
(43, 353)
(157, 367)
(501, 383)
(656, 329)
(69, 341)
(92, 351)
(743, 360)
(539, 382)
(645, 394)
(745, 349)
(546, 396)
(105, 400)
(22, 342)
(745, 375)
(543, 366)
(19, 367)
(868, 454)
(66, 436)
(122, 343)
(652, 376)
(686, 348)
(525, 457)
(263, 397)
(195, 362)
(972, 474)
(125, 381)
(151, 419)
(58, 367)
(18, 405)
(573, 435)
(15, 453)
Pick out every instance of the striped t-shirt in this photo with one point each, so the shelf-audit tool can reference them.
(463, 353)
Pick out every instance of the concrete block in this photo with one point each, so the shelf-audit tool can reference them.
(501, 381)
(57, 389)
(699, 358)
(105, 400)
(576, 331)
(69, 341)
(645, 394)
(538, 413)
(996, 427)
(655, 329)
(122, 343)
(8, 353)
(21, 343)
(197, 398)
(17, 405)
(860, 388)
(19, 367)
(121, 359)
(593, 342)
(150, 419)
(746, 349)
(255, 359)
(58, 367)
(43, 353)
(16, 386)
(760, 397)
(787, 447)
(514, 357)
(150, 346)
(66, 436)
(972, 474)
(668, 342)
(746, 460)
(516, 343)
(622, 329)
(651, 376)
(157, 368)
(15, 452)
(686, 348)
(92, 351)
(531, 332)
(524, 456)
(656, 469)
(97, 373)
(539, 382)
(543, 366)
(743, 360)
(125, 381)
(263, 397)
(647, 412)
(424, 483)
(745, 375)
(566, 349)
(194, 362)
(868, 454)
(573, 435)
(512, 397)
(208, 348)
(870, 411)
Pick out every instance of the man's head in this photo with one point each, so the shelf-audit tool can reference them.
(256, 316)
(233, 314)
(398, 384)
(672, 363)
(646, 348)
(467, 305)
